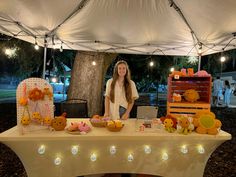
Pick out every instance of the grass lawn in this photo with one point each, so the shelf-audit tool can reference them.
(7, 93)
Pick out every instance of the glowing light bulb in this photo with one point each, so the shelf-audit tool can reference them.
(130, 158)
(36, 46)
(74, 150)
(184, 149)
(164, 156)
(112, 150)
(8, 51)
(93, 157)
(201, 149)
(94, 63)
(151, 63)
(57, 161)
(147, 149)
(222, 59)
(41, 149)
(54, 79)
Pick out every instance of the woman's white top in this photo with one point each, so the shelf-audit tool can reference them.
(119, 99)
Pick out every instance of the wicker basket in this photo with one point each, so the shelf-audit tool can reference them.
(98, 124)
(115, 129)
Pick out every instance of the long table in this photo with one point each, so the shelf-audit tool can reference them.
(49, 153)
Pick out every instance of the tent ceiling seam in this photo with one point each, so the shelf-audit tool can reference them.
(6, 30)
(75, 11)
(173, 4)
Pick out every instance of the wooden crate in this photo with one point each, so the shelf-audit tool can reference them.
(175, 109)
(201, 84)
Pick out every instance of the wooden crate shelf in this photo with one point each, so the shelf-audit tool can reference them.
(186, 108)
(201, 84)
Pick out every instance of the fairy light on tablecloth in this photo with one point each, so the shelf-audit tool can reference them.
(93, 157)
(57, 161)
(184, 149)
(164, 156)
(130, 157)
(113, 150)
(74, 149)
(147, 149)
(41, 149)
(200, 149)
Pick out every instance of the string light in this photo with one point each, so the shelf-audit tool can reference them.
(222, 59)
(61, 49)
(147, 149)
(93, 157)
(184, 149)
(200, 49)
(201, 149)
(94, 63)
(151, 63)
(112, 150)
(8, 51)
(130, 158)
(172, 69)
(74, 149)
(36, 44)
(41, 149)
(57, 161)
(164, 156)
(54, 79)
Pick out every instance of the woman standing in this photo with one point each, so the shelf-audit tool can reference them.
(227, 94)
(120, 93)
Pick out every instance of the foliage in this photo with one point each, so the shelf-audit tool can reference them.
(28, 62)
(148, 78)
(23, 63)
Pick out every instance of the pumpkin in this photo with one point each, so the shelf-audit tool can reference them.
(59, 123)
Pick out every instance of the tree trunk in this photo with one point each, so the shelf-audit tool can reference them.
(87, 80)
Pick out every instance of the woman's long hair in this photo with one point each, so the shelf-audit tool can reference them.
(227, 84)
(127, 83)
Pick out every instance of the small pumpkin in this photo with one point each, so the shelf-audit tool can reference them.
(59, 123)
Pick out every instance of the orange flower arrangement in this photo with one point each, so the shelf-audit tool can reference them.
(36, 94)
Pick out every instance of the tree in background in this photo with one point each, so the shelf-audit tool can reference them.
(22, 61)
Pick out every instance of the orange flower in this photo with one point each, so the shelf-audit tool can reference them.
(36, 94)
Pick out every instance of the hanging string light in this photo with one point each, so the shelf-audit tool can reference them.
(200, 48)
(222, 57)
(172, 69)
(36, 44)
(61, 49)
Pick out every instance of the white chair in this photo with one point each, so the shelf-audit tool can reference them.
(147, 112)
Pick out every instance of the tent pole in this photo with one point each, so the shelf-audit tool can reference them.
(44, 57)
(199, 62)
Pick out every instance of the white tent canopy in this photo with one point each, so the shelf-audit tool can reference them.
(158, 27)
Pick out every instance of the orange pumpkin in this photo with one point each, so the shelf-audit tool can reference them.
(59, 123)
